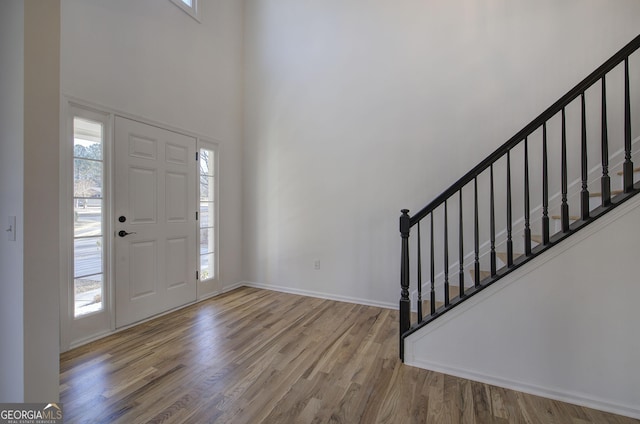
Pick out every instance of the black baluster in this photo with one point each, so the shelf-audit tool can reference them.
(433, 273)
(492, 224)
(405, 303)
(419, 275)
(628, 165)
(509, 217)
(476, 235)
(584, 193)
(545, 187)
(461, 249)
(605, 180)
(564, 208)
(446, 255)
(527, 213)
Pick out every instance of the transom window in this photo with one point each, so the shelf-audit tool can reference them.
(190, 7)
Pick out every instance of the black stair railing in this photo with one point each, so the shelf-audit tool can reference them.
(493, 179)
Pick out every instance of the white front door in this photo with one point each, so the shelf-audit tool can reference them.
(155, 220)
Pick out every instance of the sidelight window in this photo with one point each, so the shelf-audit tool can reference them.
(88, 216)
(207, 215)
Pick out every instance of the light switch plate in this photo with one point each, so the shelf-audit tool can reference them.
(11, 230)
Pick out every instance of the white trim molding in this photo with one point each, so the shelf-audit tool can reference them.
(73, 332)
(320, 295)
(550, 393)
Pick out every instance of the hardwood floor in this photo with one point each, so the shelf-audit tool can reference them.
(256, 356)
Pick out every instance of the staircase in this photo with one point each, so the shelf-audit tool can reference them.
(567, 168)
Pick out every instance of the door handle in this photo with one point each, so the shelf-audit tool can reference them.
(123, 233)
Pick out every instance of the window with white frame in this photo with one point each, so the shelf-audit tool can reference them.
(207, 219)
(190, 7)
(88, 216)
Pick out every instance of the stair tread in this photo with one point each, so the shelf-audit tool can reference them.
(571, 217)
(634, 170)
(426, 309)
(537, 238)
(599, 193)
(426, 304)
(503, 255)
(483, 274)
(454, 290)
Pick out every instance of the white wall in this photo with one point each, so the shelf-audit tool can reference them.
(355, 111)
(11, 198)
(565, 327)
(150, 59)
(41, 203)
(29, 119)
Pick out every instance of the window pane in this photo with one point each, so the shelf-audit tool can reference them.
(188, 2)
(87, 217)
(207, 162)
(87, 139)
(87, 178)
(87, 254)
(207, 187)
(88, 295)
(206, 214)
(207, 266)
(207, 240)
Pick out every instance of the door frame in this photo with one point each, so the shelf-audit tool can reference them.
(72, 335)
(211, 286)
(96, 324)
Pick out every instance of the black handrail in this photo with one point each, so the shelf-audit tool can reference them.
(576, 91)
(546, 240)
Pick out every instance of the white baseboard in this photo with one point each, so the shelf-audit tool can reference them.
(321, 295)
(578, 398)
(209, 295)
(80, 342)
(77, 343)
(233, 286)
(561, 395)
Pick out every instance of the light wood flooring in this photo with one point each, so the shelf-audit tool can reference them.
(257, 356)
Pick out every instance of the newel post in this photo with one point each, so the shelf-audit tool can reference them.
(405, 303)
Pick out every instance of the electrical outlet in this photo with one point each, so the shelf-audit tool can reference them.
(316, 264)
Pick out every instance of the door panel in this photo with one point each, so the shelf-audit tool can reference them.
(155, 246)
(177, 262)
(177, 197)
(143, 275)
(142, 195)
